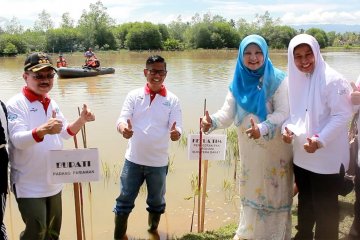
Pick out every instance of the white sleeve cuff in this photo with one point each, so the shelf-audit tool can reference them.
(263, 129)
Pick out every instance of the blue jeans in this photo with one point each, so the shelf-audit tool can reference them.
(132, 177)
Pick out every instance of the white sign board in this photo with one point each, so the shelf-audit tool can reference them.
(75, 165)
(213, 146)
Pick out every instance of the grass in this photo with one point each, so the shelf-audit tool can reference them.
(228, 231)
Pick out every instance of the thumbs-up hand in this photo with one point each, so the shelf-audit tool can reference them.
(52, 126)
(312, 145)
(174, 133)
(206, 122)
(126, 129)
(287, 136)
(86, 115)
(253, 132)
(355, 94)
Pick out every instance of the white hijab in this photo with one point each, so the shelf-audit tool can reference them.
(306, 104)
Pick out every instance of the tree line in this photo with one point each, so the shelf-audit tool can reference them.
(98, 30)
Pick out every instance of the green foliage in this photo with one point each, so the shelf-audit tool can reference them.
(227, 34)
(120, 33)
(63, 40)
(10, 49)
(244, 28)
(319, 35)
(95, 27)
(11, 44)
(164, 32)
(177, 29)
(201, 36)
(172, 44)
(279, 37)
(35, 41)
(223, 233)
(143, 36)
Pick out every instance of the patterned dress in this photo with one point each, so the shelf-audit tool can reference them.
(266, 176)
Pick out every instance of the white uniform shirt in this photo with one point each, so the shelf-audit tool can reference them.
(319, 106)
(28, 158)
(151, 124)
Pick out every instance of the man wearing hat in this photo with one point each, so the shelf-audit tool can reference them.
(36, 126)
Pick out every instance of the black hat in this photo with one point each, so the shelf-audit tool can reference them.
(37, 61)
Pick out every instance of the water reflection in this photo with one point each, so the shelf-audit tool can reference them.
(193, 76)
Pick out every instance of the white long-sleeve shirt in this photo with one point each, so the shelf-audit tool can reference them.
(28, 158)
(151, 124)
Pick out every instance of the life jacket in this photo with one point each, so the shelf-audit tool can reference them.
(61, 63)
(92, 62)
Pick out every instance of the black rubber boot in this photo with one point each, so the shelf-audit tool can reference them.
(153, 221)
(120, 226)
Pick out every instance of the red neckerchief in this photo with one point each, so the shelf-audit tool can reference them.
(162, 92)
(32, 97)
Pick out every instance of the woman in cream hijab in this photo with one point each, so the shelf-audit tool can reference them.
(317, 127)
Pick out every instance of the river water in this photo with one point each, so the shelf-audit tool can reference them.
(193, 77)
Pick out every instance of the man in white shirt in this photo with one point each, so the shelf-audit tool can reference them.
(36, 126)
(149, 117)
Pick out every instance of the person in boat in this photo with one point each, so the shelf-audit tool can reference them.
(91, 60)
(61, 61)
(89, 53)
(257, 103)
(4, 161)
(36, 126)
(320, 111)
(144, 162)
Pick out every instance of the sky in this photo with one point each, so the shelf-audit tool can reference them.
(290, 12)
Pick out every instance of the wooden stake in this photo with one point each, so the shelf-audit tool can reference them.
(77, 205)
(199, 180)
(203, 197)
(205, 163)
(83, 135)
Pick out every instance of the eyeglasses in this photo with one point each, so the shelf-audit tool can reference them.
(42, 77)
(160, 72)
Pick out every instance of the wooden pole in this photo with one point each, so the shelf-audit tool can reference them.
(83, 135)
(199, 180)
(77, 205)
(203, 192)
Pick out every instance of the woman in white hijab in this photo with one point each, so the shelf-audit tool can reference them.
(320, 110)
